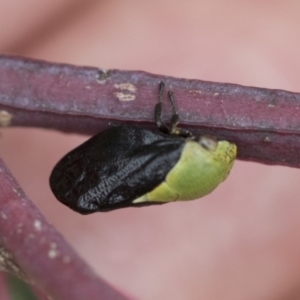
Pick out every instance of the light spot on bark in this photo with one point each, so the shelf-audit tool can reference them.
(126, 86)
(5, 118)
(124, 97)
(8, 264)
(52, 253)
(37, 225)
(3, 215)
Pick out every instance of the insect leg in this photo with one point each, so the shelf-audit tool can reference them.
(158, 109)
(175, 120)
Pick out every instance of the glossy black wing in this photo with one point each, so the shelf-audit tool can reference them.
(113, 168)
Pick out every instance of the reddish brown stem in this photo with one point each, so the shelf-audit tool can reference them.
(265, 124)
(33, 250)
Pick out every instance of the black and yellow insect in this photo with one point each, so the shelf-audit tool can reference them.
(131, 166)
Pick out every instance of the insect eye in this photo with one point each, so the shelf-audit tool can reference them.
(208, 143)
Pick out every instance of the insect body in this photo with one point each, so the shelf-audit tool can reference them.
(131, 166)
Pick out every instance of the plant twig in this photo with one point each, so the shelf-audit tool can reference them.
(33, 250)
(264, 123)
